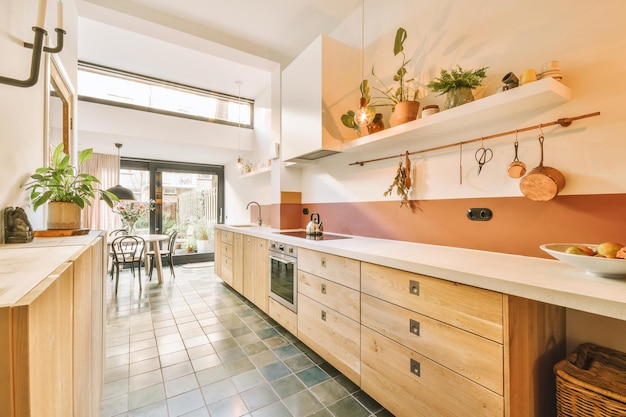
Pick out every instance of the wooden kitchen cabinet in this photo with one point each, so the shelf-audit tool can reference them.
(225, 258)
(283, 316)
(329, 310)
(432, 347)
(256, 271)
(262, 279)
(52, 327)
(237, 262)
(217, 265)
(249, 258)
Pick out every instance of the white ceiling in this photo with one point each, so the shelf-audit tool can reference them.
(234, 40)
(208, 44)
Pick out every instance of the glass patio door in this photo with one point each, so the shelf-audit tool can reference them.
(189, 198)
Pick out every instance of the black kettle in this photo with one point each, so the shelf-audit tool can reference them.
(314, 227)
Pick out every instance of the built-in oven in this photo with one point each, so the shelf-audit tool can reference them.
(284, 274)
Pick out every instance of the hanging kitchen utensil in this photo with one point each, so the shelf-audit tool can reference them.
(408, 170)
(482, 156)
(517, 168)
(542, 183)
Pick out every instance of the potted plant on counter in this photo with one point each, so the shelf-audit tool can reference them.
(65, 190)
(458, 84)
(403, 99)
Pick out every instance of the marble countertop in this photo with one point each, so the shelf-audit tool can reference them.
(545, 280)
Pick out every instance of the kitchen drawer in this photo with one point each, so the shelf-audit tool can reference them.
(473, 309)
(411, 385)
(477, 358)
(283, 316)
(226, 269)
(227, 236)
(335, 268)
(333, 336)
(227, 250)
(332, 295)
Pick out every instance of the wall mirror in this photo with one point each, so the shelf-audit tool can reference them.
(60, 109)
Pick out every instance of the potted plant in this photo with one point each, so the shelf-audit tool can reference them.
(204, 236)
(458, 84)
(403, 99)
(65, 190)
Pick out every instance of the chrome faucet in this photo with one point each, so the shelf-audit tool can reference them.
(259, 221)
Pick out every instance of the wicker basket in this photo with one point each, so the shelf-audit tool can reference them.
(591, 382)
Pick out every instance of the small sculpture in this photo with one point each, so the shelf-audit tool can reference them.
(17, 227)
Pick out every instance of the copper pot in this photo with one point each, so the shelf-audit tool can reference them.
(542, 183)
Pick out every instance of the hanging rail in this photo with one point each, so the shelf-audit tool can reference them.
(564, 122)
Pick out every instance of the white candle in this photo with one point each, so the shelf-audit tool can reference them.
(41, 13)
(60, 14)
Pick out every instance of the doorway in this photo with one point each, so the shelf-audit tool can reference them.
(189, 199)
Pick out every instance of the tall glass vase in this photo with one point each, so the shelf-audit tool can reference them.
(130, 228)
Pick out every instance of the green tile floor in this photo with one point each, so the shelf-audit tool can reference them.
(193, 347)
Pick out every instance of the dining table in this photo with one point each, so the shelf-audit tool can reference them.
(155, 239)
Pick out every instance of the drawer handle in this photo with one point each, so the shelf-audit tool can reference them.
(414, 287)
(323, 288)
(415, 367)
(323, 262)
(414, 327)
(323, 315)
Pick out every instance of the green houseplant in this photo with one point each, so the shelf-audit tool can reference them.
(402, 98)
(457, 84)
(65, 189)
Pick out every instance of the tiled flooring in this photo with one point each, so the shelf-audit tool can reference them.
(193, 347)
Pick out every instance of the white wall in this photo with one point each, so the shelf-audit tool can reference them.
(505, 37)
(22, 109)
(240, 190)
(586, 37)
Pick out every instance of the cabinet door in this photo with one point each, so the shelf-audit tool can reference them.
(335, 268)
(333, 336)
(411, 385)
(476, 358)
(237, 262)
(469, 308)
(335, 296)
(42, 348)
(218, 253)
(249, 250)
(262, 279)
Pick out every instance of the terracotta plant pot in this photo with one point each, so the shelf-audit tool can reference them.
(406, 111)
(377, 124)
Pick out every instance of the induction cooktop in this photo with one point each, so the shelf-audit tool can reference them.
(302, 234)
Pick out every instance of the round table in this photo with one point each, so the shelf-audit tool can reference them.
(155, 239)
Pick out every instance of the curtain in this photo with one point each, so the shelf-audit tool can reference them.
(99, 216)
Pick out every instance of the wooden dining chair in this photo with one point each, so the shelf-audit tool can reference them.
(166, 254)
(112, 235)
(127, 250)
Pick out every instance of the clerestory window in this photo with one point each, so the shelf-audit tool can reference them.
(119, 88)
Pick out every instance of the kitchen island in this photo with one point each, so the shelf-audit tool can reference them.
(52, 326)
(425, 320)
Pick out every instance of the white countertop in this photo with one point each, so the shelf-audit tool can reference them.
(546, 280)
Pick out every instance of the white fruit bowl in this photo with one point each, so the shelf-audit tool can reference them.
(602, 267)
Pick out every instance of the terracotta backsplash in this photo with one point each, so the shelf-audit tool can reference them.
(518, 225)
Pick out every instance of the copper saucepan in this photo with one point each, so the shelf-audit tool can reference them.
(542, 183)
(517, 168)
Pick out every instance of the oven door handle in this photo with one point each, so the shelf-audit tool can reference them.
(283, 259)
